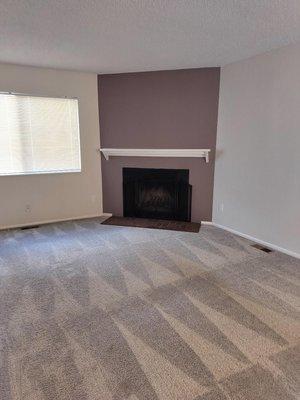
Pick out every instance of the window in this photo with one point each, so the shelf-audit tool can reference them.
(38, 135)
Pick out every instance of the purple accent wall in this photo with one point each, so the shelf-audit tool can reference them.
(164, 109)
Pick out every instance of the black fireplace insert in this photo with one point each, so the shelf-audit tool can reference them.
(157, 193)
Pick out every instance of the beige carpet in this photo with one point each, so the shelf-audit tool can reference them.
(94, 312)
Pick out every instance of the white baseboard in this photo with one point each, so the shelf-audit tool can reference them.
(206, 223)
(262, 242)
(51, 221)
(106, 215)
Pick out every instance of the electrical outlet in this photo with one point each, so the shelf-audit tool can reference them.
(222, 207)
(27, 208)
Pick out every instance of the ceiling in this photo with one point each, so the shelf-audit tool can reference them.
(107, 36)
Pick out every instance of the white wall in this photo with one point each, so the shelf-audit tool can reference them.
(55, 196)
(257, 173)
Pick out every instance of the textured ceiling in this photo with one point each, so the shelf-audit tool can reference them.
(136, 35)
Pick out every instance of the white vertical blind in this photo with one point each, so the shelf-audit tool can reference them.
(38, 135)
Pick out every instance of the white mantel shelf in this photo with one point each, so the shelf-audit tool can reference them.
(200, 153)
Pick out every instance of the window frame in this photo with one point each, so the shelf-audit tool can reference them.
(49, 172)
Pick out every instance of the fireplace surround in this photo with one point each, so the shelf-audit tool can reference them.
(157, 193)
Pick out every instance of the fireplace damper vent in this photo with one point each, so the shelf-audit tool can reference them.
(157, 193)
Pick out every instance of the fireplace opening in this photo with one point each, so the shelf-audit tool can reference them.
(157, 193)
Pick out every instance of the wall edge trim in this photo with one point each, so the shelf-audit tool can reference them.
(52, 221)
(259, 241)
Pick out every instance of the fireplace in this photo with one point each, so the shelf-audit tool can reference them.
(157, 193)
